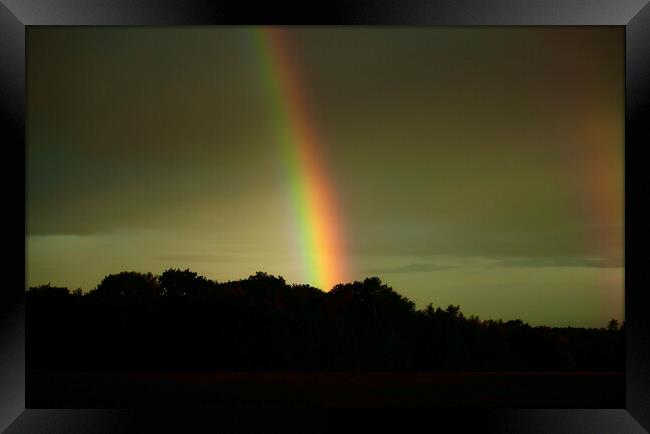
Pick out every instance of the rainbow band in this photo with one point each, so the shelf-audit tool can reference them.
(317, 218)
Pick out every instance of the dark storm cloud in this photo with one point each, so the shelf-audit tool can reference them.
(411, 268)
(134, 129)
(476, 239)
(196, 258)
(557, 262)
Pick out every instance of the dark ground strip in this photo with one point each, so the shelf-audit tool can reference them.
(49, 389)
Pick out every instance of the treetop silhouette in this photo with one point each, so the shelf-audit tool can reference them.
(179, 320)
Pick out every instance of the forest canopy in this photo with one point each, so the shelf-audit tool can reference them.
(179, 320)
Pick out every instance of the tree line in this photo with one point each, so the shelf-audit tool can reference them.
(182, 321)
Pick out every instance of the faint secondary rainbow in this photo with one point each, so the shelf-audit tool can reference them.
(318, 222)
(595, 171)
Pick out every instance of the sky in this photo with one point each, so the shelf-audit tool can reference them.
(474, 166)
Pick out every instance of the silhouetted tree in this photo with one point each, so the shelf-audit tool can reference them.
(126, 286)
(613, 325)
(182, 321)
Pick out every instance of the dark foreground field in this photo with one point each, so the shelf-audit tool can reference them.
(50, 389)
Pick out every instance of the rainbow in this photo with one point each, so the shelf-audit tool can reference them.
(317, 219)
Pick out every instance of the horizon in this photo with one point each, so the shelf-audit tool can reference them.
(480, 167)
(86, 291)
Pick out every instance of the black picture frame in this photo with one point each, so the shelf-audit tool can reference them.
(634, 15)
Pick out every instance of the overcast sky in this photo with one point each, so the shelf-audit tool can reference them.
(473, 166)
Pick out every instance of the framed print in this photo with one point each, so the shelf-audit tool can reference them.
(280, 214)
